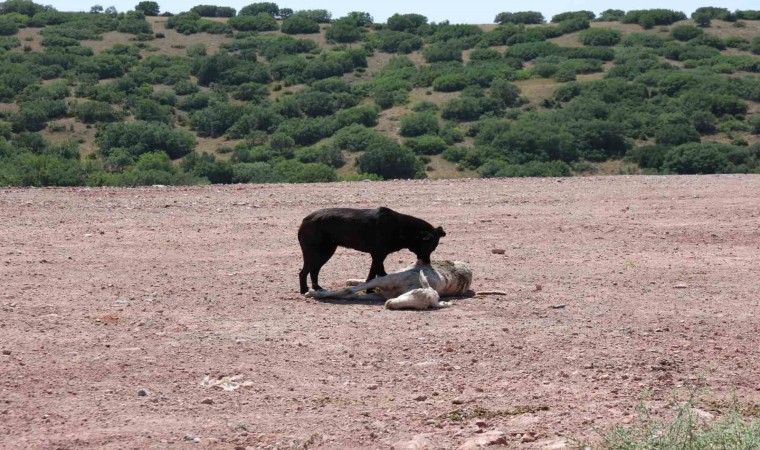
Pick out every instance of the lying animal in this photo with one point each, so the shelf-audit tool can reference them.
(378, 232)
(417, 287)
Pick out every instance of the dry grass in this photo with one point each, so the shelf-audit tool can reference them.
(34, 34)
(81, 133)
(442, 169)
(7, 108)
(537, 89)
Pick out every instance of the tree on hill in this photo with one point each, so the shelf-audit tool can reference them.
(148, 8)
(254, 9)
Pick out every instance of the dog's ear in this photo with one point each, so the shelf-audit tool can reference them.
(440, 231)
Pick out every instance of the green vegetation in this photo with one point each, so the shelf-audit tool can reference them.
(255, 104)
(689, 429)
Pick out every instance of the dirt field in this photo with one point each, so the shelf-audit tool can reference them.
(117, 303)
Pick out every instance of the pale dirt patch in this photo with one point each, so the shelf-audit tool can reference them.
(116, 304)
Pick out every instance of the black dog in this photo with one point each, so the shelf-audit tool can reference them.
(378, 232)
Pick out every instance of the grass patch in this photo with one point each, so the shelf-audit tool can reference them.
(459, 415)
(690, 429)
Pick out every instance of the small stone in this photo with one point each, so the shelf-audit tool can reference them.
(481, 423)
(189, 437)
(142, 392)
(207, 401)
(372, 387)
(486, 439)
(457, 401)
(538, 287)
(680, 286)
(6, 352)
(420, 398)
(528, 438)
(418, 442)
(498, 251)
(558, 306)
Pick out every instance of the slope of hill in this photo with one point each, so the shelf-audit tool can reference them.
(266, 96)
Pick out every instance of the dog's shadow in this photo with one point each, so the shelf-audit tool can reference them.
(338, 301)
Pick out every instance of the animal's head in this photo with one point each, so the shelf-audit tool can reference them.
(420, 298)
(426, 243)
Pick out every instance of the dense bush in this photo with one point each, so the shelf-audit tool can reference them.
(418, 124)
(139, 137)
(524, 17)
(611, 15)
(389, 160)
(92, 112)
(648, 18)
(213, 11)
(298, 24)
(254, 9)
(426, 145)
(293, 171)
(409, 23)
(261, 22)
(685, 32)
(701, 158)
(441, 53)
(586, 15)
(600, 37)
(397, 41)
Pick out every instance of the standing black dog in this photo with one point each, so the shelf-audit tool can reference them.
(379, 232)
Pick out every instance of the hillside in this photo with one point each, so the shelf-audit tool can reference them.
(275, 95)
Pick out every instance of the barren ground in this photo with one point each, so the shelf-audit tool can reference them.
(107, 292)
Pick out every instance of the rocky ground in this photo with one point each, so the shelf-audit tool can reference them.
(127, 312)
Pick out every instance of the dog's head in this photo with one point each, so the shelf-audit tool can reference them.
(426, 243)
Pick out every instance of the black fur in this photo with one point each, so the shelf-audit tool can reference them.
(379, 232)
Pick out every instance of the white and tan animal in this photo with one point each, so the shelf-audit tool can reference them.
(420, 286)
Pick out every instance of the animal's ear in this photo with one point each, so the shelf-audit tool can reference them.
(440, 231)
(426, 235)
(423, 281)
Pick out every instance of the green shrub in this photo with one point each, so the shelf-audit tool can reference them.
(92, 112)
(698, 158)
(397, 41)
(142, 137)
(426, 145)
(355, 138)
(450, 83)
(261, 22)
(600, 37)
(685, 32)
(441, 53)
(298, 24)
(325, 154)
(611, 15)
(292, 171)
(418, 124)
(643, 40)
(213, 11)
(676, 134)
(254, 9)
(388, 160)
(256, 172)
(406, 22)
(523, 17)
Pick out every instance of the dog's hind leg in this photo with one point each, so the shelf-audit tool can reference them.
(317, 261)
